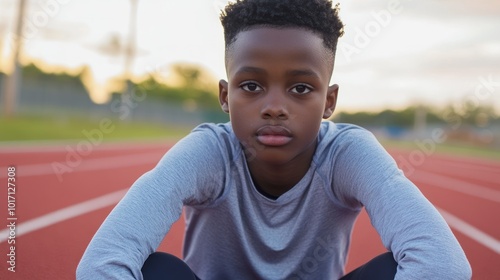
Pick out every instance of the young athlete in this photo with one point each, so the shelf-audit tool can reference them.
(274, 193)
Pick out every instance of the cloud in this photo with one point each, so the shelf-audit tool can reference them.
(434, 9)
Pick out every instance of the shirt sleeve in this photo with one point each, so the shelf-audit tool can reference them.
(190, 172)
(409, 225)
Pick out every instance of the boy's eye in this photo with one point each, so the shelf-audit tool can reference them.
(251, 87)
(301, 89)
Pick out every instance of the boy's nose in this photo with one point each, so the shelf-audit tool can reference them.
(274, 106)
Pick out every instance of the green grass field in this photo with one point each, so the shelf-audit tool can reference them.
(76, 128)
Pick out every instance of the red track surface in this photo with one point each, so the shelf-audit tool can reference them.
(50, 248)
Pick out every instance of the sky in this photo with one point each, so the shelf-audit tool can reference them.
(394, 53)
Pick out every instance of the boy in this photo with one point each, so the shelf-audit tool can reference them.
(274, 193)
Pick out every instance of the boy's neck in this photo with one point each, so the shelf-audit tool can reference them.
(273, 181)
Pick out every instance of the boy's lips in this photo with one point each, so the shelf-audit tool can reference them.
(274, 135)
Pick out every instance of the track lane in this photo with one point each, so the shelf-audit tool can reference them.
(40, 195)
(475, 211)
(487, 179)
(484, 262)
(62, 154)
(54, 252)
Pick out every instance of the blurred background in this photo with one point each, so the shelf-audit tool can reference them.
(403, 68)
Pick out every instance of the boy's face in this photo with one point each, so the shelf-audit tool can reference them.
(277, 92)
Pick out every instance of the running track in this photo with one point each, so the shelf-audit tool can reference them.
(57, 218)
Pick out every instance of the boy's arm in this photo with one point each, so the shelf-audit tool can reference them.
(189, 171)
(409, 225)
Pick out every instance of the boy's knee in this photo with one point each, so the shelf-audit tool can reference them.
(382, 267)
(159, 264)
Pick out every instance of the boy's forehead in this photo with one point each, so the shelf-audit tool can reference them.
(266, 34)
(277, 40)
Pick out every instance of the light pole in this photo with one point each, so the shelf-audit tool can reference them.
(129, 59)
(13, 80)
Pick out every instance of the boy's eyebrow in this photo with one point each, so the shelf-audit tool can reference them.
(250, 69)
(293, 73)
(302, 72)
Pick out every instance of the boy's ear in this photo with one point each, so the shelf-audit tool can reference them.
(331, 100)
(223, 90)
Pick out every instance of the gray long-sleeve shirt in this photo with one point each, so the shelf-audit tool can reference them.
(235, 232)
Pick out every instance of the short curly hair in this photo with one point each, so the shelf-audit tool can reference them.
(319, 16)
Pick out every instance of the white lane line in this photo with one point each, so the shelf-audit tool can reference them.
(468, 166)
(64, 214)
(471, 231)
(87, 164)
(456, 185)
(495, 180)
